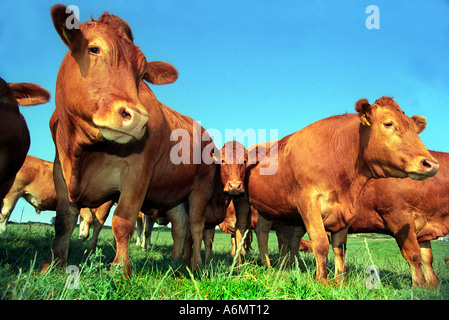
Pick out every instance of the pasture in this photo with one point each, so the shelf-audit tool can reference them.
(23, 249)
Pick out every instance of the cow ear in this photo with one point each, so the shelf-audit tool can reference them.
(363, 108)
(67, 26)
(29, 94)
(420, 123)
(159, 72)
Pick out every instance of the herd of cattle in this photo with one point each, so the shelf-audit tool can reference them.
(352, 173)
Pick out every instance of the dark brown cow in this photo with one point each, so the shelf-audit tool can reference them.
(413, 212)
(14, 134)
(323, 168)
(114, 140)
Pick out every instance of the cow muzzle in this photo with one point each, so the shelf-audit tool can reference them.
(423, 168)
(234, 188)
(123, 122)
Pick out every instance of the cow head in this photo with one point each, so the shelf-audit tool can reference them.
(99, 78)
(390, 142)
(234, 157)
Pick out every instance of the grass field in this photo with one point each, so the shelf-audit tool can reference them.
(24, 247)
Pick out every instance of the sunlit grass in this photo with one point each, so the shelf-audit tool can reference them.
(154, 276)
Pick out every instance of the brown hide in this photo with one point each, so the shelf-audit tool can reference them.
(413, 212)
(323, 167)
(113, 137)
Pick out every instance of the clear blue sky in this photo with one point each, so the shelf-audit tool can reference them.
(254, 64)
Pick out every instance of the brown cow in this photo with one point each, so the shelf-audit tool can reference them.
(228, 226)
(323, 168)
(234, 174)
(229, 180)
(234, 159)
(115, 141)
(413, 212)
(14, 134)
(33, 182)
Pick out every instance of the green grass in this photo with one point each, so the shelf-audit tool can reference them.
(24, 247)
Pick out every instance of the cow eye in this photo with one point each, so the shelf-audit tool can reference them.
(388, 124)
(94, 50)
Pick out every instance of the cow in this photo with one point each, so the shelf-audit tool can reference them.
(233, 174)
(114, 139)
(413, 212)
(34, 183)
(234, 160)
(322, 168)
(228, 226)
(231, 162)
(14, 134)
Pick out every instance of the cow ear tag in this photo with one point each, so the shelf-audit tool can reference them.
(215, 158)
(366, 120)
(64, 33)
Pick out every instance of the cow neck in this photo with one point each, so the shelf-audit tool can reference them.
(349, 145)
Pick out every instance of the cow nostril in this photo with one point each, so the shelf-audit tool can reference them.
(426, 163)
(124, 113)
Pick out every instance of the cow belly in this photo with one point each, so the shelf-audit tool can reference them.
(41, 204)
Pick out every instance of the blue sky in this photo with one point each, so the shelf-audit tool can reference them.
(254, 64)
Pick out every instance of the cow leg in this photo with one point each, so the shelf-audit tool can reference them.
(148, 224)
(427, 260)
(243, 219)
(139, 230)
(100, 215)
(179, 225)
(284, 233)
(262, 230)
(233, 245)
(9, 202)
(87, 219)
(295, 242)
(320, 243)
(339, 240)
(66, 219)
(208, 242)
(410, 250)
(188, 247)
(124, 223)
(197, 206)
